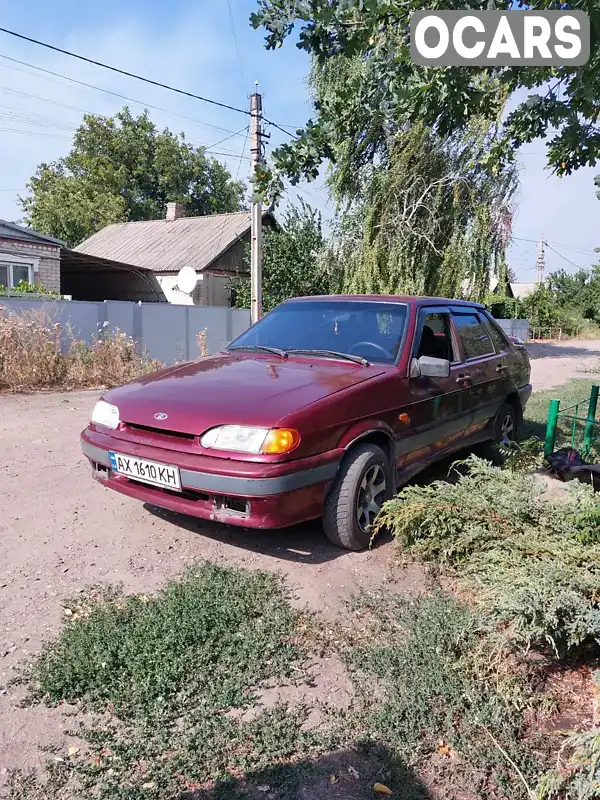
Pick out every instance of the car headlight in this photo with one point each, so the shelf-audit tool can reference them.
(246, 439)
(105, 414)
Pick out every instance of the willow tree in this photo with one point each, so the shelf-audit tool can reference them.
(423, 213)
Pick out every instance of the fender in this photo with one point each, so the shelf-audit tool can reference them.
(360, 430)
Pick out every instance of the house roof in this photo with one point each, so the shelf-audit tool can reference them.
(168, 245)
(521, 290)
(10, 230)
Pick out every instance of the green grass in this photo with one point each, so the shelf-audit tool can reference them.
(168, 668)
(536, 411)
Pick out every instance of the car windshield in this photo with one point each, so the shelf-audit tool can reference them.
(369, 329)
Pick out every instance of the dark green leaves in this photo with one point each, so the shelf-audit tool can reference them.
(123, 169)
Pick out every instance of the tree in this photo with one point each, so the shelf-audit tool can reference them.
(391, 88)
(292, 261)
(421, 215)
(427, 221)
(122, 169)
(579, 292)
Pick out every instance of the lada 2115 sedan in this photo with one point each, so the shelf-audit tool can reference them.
(321, 409)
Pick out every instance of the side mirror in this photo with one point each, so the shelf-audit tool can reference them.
(429, 367)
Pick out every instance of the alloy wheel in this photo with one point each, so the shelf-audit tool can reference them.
(370, 497)
(507, 430)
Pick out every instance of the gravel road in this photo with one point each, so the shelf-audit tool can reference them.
(60, 532)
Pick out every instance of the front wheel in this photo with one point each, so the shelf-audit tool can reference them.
(362, 486)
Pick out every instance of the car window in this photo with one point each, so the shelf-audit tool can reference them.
(497, 335)
(370, 329)
(475, 339)
(436, 337)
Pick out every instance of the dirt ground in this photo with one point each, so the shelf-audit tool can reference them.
(61, 532)
(556, 363)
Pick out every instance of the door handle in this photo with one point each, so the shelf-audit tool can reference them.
(463, 378)
(501, 368)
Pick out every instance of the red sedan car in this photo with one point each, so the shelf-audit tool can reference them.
(322, 409)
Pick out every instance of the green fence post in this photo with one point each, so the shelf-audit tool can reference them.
(551, 427)
(588, 434)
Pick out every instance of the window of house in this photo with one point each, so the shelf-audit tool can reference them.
(12, 274)
(436, 337)
(475, 338)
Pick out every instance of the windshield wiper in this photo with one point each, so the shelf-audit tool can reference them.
(275, 350)
(333, 354)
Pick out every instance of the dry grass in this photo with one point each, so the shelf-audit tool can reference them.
(36, 352)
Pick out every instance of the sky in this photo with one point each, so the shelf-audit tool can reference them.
(208, 47)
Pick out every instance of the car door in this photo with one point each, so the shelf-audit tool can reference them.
(436, 416)
(484, 368)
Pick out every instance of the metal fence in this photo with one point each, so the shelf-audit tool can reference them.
(167, 332)
(569, 426)
(515, 327)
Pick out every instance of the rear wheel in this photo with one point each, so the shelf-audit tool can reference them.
(505, 432)
(362, 486)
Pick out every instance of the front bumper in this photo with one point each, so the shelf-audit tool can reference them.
(248, 494)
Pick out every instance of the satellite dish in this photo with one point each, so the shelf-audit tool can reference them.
(187, 280)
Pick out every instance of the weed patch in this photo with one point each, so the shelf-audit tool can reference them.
(167, 669)
(38, 353)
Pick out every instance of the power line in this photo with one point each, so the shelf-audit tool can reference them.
(275, 125)
(125, 72)
(235, 41)
(568, 260)
(131, 75)
(558, 244)
(45, 100)
(229, 137)
(107, 91)
(33, 118)
(34, 133)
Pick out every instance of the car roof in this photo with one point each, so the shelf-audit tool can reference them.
(392, 298)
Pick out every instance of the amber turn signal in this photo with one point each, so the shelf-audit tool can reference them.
(280, 440)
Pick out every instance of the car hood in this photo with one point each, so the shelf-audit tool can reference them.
(228, 389)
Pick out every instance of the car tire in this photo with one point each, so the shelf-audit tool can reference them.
(354, 496)
(504, 431)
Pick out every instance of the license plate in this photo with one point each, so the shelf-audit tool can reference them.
(152, 472)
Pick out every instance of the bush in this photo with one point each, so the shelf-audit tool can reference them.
(24, 287)
(39, 353)
(534, 561)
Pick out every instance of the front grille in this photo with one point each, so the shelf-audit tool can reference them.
(161, 431)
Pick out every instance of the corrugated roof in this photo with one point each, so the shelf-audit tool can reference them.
(167, 246)
(522, 290)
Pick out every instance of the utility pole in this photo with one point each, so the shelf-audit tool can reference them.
(540, 261)
(256, 150)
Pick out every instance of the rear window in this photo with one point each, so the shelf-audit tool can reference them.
(497, 334)
(475, 339)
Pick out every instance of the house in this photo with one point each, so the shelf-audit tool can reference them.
(523, 290)
(214, 246)
(26, 255)
(499, 286)
(33, 257)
